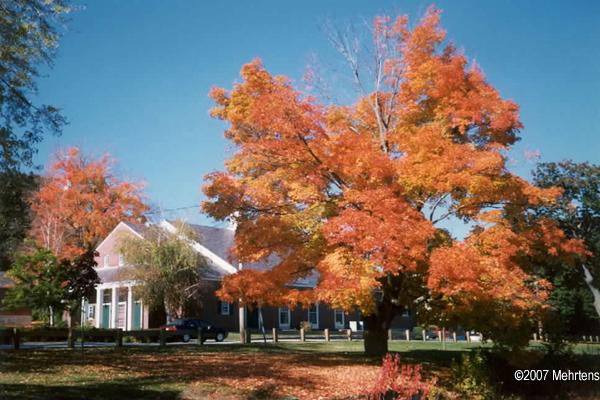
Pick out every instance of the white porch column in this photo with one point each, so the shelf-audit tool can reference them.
(243, 320)
(98, 316)
(113, 309)
(242, 315)
(83, 315)
(128, 325)
(146, 315)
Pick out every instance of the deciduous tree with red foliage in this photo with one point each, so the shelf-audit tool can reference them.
(358, 194)
(79, 202)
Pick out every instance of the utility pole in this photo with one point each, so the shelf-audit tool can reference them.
(242, 315)
(243, 322)
(261, 324)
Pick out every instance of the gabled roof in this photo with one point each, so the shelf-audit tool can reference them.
(214, 243)
(140, 229)
(216, 262)
(217, 240)
(119, 274)
(220, 240)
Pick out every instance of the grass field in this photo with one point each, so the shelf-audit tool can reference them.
(334, 370)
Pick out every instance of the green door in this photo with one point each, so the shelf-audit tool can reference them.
(137, 315)
(105, 316)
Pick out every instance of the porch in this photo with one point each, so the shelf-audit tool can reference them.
(116, 306)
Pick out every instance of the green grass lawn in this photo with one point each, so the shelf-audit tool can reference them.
(285, 370)
(415, 350)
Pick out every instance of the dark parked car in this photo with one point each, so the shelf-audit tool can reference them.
(191, 325)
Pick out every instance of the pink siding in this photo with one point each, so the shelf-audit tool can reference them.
(110, 246)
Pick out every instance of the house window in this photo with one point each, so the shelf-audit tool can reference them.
(122, 294)
(106, 258)
(224, 308)
(406, 313)
(121, 260)
(107, 296)
(284, 318)
(91, 311)
(313, 316)
(339, 319)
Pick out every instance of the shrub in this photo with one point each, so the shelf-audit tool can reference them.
(471, 378)
(417, 333)
(399, 382)
(306, 325)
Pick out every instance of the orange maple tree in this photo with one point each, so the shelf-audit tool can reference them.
(358, 195)
(80, 201)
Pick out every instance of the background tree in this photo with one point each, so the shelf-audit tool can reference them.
(80, 201)
(49, 286)
(575, 296)
(15, 214)
(360, 193)
(29, 35)
(167, 266)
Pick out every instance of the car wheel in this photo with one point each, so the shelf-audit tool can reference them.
(185, 338)
(220, 337)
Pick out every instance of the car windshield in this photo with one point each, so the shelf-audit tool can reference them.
(177, 322)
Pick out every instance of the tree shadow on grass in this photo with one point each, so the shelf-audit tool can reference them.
(162, 373)
(144, 370)
(130, 390)
(133, 389)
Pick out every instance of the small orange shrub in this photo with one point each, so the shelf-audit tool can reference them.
(399, 382)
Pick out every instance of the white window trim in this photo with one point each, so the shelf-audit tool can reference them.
(335, 312)
(315, 326)
(91, 311)
(283, 326)
(125, 315)
(102, 296)
(224, 308)
(121, 260)
(106, 260)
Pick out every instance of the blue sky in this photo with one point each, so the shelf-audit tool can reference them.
(132, 77)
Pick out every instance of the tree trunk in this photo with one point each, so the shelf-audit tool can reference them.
(378, 323)
(168, 311)
(261, 325)
(595, 292)
(376, 342)
(376, 335)
(70, 338)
